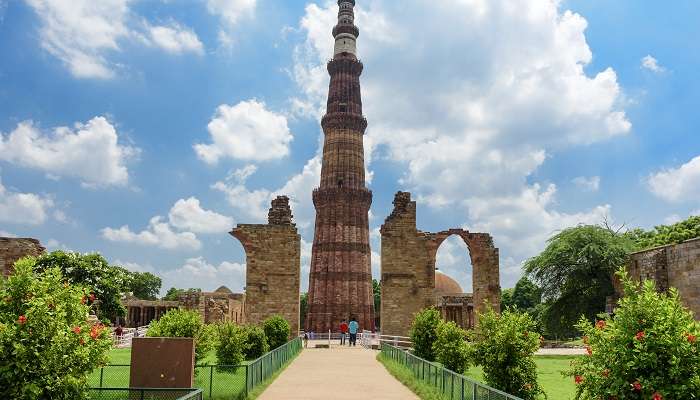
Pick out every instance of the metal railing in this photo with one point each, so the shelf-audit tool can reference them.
(450, 384)
(215, 381)
(145, 394)
(368, 339)
(124, 340)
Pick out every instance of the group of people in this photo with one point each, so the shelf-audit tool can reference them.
(348, 333)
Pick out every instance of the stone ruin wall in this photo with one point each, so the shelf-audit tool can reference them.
(273, 266)
(408, 267)
(12, 249)
(216, 307)
(671, 266)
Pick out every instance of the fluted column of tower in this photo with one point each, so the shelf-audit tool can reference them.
(340, 282)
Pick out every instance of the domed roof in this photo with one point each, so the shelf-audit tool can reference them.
(446, 285)
(223, 289)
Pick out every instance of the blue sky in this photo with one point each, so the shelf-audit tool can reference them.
(518, 118)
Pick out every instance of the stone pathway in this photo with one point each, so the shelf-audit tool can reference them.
(337, 374)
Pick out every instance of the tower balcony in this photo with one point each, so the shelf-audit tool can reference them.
(346, 28)
(344, 120)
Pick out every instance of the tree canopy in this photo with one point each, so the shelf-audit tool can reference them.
(665, 234)
(144, 285)
(575, 273)
(174, 293)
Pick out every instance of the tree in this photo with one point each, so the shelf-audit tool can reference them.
(575, 273)
(526, 295)
(174, 294)
(144, 285)
(451, 348)
(507, 298)
(230, 345)
(424, 333)
(303, 307)
(255, 342)
(277, 331)
(377, 290)
(648, 350)
(186, 324)
(504, 345)
(105, 281)
(47, 347)
(666, 234)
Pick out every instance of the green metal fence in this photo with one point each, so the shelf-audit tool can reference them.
(452, 385)
(217, 382)
(145, 394)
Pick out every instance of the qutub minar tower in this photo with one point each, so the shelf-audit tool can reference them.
(340, 282)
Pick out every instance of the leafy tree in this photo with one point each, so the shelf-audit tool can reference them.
(303, 307)
(504, 345)
(451, 348)
(92, 271)
(277, 331)
(144, 285)
(666, 234)
(47, 348)
(424, 333)
(526, 295)
(575, 273)
(507, 298)
(255, 342)
(648, 350)
(173, 294)
(377, 290)
(230, 345)
(185, 324)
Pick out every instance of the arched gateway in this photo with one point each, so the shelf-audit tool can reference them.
(408, 267)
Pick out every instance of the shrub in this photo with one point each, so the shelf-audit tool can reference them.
(451, 348)
(230, 344)
(424, 333)
(186, 324)
(255, 342)
(504, 346)
(649, 350)
(277, 331)
(47, 346)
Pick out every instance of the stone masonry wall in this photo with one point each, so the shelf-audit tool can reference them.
(408, 267)
(672, 266)
(12, 249)
(273, 266)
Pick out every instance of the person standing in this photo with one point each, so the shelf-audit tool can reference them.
(353, 327)
(343, 332)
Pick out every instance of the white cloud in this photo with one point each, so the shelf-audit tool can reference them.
(677, 184)
(452, 259)
(188, 215)
(80, 32)
(23, 208)
(7, 234)
(199, 273)
(175, 38)
(231, 11)
(90, 152)
(136, 267)
(672, 219)
(478, 101)
(591, 184)
(652, 64)
(246, 131)
(158, 233)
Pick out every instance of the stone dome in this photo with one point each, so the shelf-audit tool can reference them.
(445, 285)
(223, 289)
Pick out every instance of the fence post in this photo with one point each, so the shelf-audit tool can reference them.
(462, 395)
(474, 391)
(102, 372)
(211, 381)
(247, 375)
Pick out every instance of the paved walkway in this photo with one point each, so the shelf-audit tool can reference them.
(337, 374)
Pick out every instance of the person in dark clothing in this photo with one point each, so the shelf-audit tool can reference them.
(353, 327)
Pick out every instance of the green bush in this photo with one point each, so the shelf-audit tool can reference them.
(451, 348)
(649, 350)
(424, 333)
(47, 346)
(230, 344)
(277, 331)
(255, 342)
(504, 346)
(187, 324)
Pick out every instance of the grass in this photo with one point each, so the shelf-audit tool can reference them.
(549, 370)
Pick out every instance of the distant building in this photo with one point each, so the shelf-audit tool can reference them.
(453, 303)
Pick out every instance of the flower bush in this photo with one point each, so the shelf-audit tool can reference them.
(424, 333)
(505, 346)
(255, 342)
(47, 345)
(187, 324)
(277, 331)
(230, 344)
(451, 348)
(648, 350)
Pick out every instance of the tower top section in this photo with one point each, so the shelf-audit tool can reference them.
(345, 32)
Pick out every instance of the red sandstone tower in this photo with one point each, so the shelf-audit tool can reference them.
(340, 283)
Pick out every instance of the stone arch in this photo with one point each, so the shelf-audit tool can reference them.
(273, 266)
(408, 258)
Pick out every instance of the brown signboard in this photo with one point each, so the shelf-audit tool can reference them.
(162, 363)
